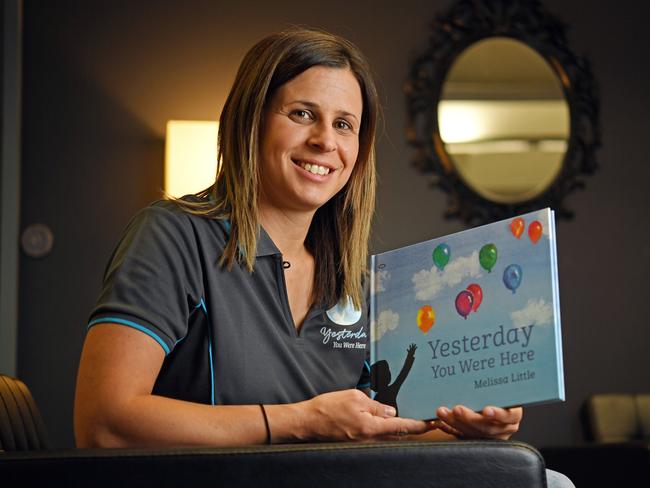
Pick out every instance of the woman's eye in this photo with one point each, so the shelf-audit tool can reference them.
(342, 125)
(302, 114)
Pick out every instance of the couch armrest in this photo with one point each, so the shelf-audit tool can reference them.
(414, 464)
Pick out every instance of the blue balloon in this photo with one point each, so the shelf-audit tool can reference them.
(512, 277)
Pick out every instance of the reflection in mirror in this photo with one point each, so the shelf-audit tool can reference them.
(504, 120)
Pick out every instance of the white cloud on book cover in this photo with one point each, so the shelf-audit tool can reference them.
(536, 312)
(381, 277)
(428, 283)
(387, 320)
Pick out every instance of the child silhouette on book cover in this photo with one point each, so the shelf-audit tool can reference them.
(386, 393)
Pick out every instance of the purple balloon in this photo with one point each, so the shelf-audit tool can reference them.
(464, 302)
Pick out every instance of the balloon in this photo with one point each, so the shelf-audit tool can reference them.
(512, 277)
(535, 231)
(441, 256)
(517, 227)
(426, 318)
(464, 302)
(488, 256)
(477, 295)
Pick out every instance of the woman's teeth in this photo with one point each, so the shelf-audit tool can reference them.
(315, 169)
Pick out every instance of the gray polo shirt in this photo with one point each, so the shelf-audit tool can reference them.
(228, 336)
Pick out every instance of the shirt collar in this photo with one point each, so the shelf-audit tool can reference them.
(265, 246)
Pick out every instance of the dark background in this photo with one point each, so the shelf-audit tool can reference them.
(101, 78)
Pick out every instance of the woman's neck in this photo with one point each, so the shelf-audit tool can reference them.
(288, 230)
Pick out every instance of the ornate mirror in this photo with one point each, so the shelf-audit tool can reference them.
(501, 111)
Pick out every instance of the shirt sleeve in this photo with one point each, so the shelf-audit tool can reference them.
(153, 279)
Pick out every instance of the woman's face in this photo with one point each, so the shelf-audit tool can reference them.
(310, 139)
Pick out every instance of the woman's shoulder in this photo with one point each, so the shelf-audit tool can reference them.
(172, 218)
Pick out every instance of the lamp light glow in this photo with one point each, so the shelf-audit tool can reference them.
(190, 156)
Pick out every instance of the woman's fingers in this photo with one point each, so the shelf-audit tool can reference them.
(380, 410)
(491, 422)
(448, 429)
(504, 415)
(398, 426)
(351, 415)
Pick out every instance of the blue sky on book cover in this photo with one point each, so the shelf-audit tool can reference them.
(481, 307)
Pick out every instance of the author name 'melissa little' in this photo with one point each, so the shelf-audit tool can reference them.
(504, 380)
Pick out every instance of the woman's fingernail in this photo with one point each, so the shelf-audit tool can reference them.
(458, 410)
(443, 411)
(391, 412)
(489, 412)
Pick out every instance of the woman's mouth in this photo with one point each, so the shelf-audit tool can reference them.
(314, 168)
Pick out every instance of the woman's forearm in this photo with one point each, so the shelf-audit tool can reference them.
(150, 420)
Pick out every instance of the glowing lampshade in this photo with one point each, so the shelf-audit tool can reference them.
(190, 156)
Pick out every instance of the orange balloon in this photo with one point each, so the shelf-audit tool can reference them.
(426, 318)
(535, 231)
(517, 227)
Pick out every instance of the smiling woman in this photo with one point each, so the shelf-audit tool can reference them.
(310, 140)
(236, 315)
(212, 325)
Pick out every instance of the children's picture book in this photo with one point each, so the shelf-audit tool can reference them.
(472, 318)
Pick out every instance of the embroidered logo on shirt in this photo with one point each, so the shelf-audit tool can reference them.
(344, 314)
(344, 338)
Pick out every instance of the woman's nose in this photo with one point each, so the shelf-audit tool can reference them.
(323, 137)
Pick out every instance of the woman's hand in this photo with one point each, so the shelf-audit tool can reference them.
(352, 415)
(490, 423)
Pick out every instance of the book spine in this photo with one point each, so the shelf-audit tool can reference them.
(556, 302)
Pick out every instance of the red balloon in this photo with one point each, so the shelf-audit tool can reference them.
(464, 302)
(535, 231)
(477, 295)
(517, 227)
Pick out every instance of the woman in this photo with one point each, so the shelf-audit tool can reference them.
(216, 320)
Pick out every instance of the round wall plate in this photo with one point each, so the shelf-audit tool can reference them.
(37, 240)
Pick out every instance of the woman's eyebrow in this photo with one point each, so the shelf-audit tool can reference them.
(314, 105)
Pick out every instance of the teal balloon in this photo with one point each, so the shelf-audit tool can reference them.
(441, 256)
(512, 277)
(488, 257)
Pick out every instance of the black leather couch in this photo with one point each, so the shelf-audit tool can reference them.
(404, 464)
(26, 459)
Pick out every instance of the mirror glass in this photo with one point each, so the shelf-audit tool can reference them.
(504, 120)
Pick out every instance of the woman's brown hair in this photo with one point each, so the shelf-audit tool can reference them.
(339, 232)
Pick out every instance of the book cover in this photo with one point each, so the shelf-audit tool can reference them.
(472, 318)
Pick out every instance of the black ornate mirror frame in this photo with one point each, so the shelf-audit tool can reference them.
(466, 22)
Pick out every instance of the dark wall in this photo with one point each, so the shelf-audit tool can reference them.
(2, 84)
(101, 79)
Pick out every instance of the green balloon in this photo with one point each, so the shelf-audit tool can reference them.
(488, 257)
(441, 256)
